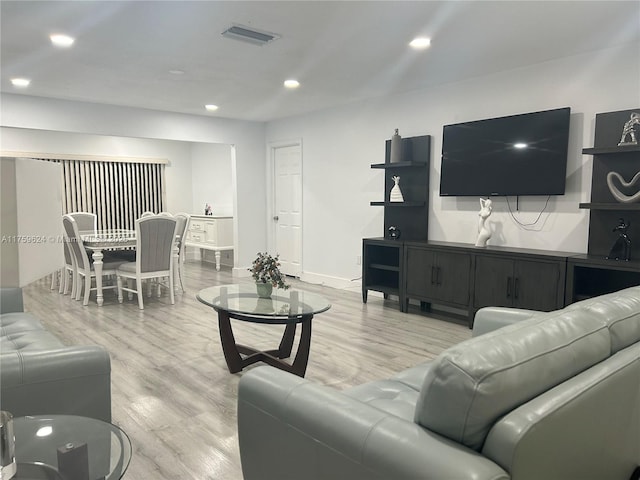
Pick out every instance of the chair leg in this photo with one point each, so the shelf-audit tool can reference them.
(78, 286)
(54, 277)
(87, 289)
(171, 287)
(119, 282)
(140, 294)
(62, 285)
(180, 262)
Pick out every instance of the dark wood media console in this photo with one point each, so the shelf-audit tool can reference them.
(468, 278)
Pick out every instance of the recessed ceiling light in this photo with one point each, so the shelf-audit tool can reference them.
(60, 40)
(211, 107)
(420, 42)
(20, 82)
(176, 72)
(291, 83)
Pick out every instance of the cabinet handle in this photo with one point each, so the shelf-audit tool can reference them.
(508, 287)
(433, 274)
(516, 287)
(438, 276)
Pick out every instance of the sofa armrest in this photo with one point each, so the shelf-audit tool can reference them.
(488, 319)
(291, 428)
(11, 300)
(70, 380)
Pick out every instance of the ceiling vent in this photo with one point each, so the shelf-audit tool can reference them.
(249, 35)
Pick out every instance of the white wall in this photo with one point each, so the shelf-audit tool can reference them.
(340, 144)
(212, 178)
(36, 116)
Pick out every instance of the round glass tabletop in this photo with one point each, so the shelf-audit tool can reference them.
(63, 442)
(244, 300)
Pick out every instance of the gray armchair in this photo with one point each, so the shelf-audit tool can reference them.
(40, 375)
(546, 395)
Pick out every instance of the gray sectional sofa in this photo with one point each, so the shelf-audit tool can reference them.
(553, 396)
(40, 375)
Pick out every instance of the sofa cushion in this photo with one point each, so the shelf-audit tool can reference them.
(389, 396)
(18, 322)
(29, 341)
(477, 381)
(620, 311)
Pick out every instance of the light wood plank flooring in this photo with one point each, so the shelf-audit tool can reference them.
(171, 390)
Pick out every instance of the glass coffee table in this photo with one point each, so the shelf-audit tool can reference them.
(42, 440)
(284, 307)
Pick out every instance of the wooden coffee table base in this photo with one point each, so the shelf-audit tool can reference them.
(232, 350)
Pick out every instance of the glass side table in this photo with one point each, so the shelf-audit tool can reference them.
(39, 439)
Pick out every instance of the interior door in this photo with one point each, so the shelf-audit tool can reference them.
(287, 164)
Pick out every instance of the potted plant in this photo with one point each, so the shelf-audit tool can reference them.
(267, 275)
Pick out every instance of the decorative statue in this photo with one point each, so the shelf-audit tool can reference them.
(621, 249)
(394, 232)
(629, 129)
(484, 228)
(617, 194)
(207, 209)
(396, 194)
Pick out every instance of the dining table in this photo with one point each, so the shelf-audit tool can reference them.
(99, 241)
(110, 240)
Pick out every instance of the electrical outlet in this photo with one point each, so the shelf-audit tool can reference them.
(358, 260)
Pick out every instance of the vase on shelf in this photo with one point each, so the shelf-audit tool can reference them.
(396, 194)
(396, 148)
(264, 289)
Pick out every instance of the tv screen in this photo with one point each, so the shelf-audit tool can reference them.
(516, 155)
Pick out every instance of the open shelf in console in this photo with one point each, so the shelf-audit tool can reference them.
(592, 275)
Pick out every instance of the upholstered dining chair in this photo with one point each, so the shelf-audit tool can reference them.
(86, 222)
(147, 214)
(84, 267)
(155, 245)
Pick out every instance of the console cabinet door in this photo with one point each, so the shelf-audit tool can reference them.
(452, 277)
(536, 285)
(421, 273)
(493, 282)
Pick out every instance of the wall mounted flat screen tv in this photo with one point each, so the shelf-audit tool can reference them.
(516, 155)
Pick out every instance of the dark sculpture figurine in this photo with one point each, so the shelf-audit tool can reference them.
(394, 232)
(621, 249)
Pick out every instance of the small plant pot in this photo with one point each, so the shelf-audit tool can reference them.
(264, 289)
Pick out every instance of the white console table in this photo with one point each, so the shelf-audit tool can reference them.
(210, 233)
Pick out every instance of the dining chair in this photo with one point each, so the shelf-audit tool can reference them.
(147, 214)
(68, 272)
(86, 221)
(84, 267)
(155, 253)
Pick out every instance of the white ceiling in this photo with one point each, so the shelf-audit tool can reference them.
(340, 51)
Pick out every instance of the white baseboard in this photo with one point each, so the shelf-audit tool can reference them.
(329, 281)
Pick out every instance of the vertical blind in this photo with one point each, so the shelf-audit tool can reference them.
(118, 192)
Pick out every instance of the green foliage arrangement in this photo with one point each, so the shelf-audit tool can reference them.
(265, 269)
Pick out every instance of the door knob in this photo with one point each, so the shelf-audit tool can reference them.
(276, 218)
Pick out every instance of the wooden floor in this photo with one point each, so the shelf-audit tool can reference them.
(171, 390)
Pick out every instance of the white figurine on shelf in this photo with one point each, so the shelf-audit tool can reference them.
(484, 228)
(396, 194)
